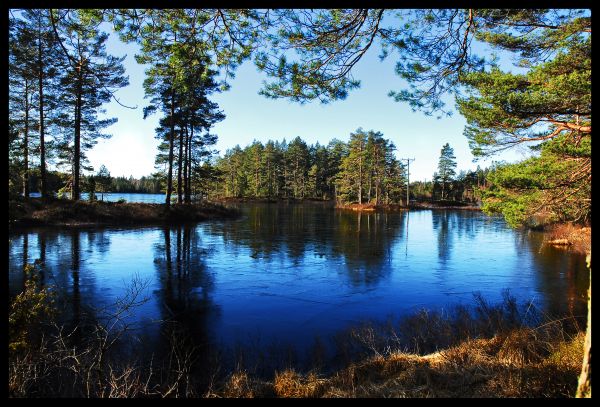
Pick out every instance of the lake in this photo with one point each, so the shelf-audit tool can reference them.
(116, 196)
(289, 273)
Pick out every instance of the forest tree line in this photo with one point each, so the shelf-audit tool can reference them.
(61, 76)
(363, 170)
(297, 170)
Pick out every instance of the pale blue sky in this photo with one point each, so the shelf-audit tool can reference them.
(132, 148)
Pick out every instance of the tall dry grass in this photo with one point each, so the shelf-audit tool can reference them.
(500, 350)
(574, 237)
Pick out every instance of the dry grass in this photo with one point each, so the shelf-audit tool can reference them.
(358, 207)
(521, 363)
(291, 384)
(492, 351)
(576, 238)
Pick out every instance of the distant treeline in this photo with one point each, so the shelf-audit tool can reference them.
(465, 188)
(147, 185)
(56, 181)
(363, 170)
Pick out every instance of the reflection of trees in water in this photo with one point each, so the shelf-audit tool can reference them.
(75, 263)
(41, 261)
(362, 239)
(34, 248)
(185, 287)
(25, 257)
(466, 224)
(98, 241)
(561, 275)
(461, 224)
(444, 222)
(267, 230)
(63, 274)
(182, 271)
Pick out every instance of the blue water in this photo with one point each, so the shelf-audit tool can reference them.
(290, 273)
(116, 196)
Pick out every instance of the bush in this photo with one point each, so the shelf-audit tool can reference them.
(28, 311)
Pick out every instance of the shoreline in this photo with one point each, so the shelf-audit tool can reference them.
(35, 212)
(397, 207)
(54, 212)
(367, 207)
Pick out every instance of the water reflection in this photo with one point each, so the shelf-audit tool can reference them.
(362, 240)
(295, 272)
(184, 287)
(442, 222)
(562, 275)
(184, 283)
(76, 295)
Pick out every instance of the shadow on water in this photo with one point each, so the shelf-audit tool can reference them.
(186, 307)
(560, 274)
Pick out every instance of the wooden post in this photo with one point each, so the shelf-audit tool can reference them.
(408, 160)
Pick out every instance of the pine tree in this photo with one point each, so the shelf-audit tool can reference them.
(90, 81)
(22, 78)
(103, 180)
(446, 168)
(352, 174)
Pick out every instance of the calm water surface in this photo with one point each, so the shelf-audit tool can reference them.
(290, 273)
(115, 196)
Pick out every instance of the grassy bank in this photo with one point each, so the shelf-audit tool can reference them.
(500, 350)
(60, 212)
(575, 238)
(519, 363)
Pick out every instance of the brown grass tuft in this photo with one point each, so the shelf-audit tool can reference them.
(576, 238)
(521, 347)
(291, 384)
(238, 386)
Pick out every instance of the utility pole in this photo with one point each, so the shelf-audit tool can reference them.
(408, 160)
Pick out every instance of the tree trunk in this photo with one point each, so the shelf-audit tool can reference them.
(77, 142)
(26, 143)
(296, 180)
(180, 167)
(188, 182)
(360, 181)
(171, 137)
(270, 178)
(44, 188)
(256, 176)
(185, 161)
(584, 389)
